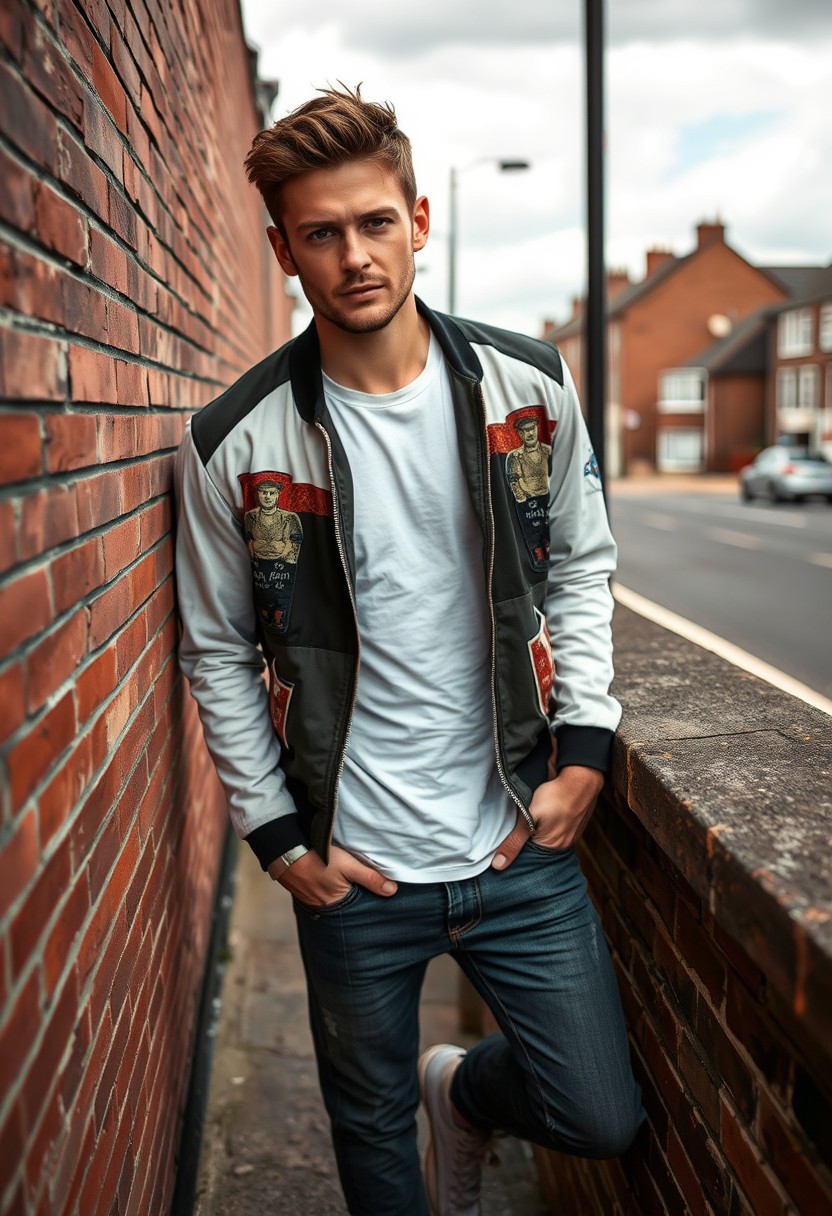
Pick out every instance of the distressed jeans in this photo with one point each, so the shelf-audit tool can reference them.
(530, 941)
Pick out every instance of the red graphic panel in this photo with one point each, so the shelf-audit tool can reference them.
(280, 694)
(503, 436)
(291, 496)
(540, 653)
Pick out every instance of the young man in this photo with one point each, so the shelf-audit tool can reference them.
(399, 777)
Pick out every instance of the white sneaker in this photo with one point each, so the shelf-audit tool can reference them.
(455, 1155)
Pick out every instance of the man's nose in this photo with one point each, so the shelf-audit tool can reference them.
(354, 254)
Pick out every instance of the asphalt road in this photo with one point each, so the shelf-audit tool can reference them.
(758, 574)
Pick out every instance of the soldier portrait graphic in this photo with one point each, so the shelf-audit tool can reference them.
(272, 533)
(274, 537)
(527, 466)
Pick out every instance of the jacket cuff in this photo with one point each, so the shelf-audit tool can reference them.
(589, 746)
(275, 837)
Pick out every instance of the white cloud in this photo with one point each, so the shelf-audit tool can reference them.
(503, 81)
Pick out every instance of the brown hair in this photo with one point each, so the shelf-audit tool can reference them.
(325, 132)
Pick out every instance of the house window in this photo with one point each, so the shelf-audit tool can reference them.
(808, 388)
(794, 333)
(825, 334)
(680, 450)
(682, 391)
(786, 389)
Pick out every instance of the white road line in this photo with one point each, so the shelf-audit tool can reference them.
(769, 517)
(726, 537)
(717, 645)
(821, 559)
(665, 522)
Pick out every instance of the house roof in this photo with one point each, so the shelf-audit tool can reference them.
(624, 298)
(743, 350)
(800, 280)
(816, 285)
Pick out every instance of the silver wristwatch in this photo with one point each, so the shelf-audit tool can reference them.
(289, 858)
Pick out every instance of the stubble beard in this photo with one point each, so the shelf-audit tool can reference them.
(324, 307)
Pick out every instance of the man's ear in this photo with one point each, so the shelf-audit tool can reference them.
(280, 248)
(421, 222)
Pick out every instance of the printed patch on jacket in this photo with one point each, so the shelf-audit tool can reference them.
(543, 665)
(274, 536)
(280, 694)
(592, 472)
(524, 440)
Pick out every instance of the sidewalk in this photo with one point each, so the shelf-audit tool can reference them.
(265, 1148)
(673, 483)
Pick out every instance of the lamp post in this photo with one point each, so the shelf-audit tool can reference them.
(505, 166)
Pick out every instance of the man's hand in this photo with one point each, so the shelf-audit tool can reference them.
(561, 808)
(310, 881)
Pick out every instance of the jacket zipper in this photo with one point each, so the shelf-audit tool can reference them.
(342, 554)
(524, 810)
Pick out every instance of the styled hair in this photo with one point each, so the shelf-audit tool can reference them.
(326, 132)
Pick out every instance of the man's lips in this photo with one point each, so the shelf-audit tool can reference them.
(361, 289)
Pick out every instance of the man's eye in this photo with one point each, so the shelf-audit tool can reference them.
(319, 234)
(379, 221)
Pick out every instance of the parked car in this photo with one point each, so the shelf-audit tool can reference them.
(786, 474)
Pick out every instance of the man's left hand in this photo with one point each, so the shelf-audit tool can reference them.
(561, 808)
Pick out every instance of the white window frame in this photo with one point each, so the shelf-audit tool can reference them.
(682, 391)
(786, 388)
(794, 333)
(808, 387)
(825, 327)
(669, 462)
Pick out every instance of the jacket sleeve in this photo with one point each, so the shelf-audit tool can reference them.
(220, 655)
(578, 601)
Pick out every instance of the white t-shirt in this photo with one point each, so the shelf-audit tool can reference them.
(420, 797)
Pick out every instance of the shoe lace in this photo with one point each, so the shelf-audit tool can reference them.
(472, 1150)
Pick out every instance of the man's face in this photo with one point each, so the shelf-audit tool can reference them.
(528, 433)
(267, 497)
(350, 239)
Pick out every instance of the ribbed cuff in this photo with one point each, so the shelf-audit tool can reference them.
(589, 746)
(272, 839)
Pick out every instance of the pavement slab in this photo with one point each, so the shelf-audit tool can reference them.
(265, 1148)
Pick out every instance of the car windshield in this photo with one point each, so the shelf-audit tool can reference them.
(802, 454)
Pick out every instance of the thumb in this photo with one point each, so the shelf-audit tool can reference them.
(367, 877)
(511, 846)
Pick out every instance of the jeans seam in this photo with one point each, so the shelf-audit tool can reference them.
(517, 1037)
(456, 934)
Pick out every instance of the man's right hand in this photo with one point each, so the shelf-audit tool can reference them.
(310, 881)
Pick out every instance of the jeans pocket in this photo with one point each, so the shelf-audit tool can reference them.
(336, 906)
(546, 851)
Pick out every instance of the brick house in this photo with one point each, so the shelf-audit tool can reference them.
(655, 411)
(799, 383)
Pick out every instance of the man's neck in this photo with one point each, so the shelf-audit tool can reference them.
(378, 362)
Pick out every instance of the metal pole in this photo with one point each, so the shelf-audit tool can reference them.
(452, 246)
(595, 349)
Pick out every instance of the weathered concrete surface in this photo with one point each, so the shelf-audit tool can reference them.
(733, 780)
(266, 1148)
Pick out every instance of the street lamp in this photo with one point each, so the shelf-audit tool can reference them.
(505, 166)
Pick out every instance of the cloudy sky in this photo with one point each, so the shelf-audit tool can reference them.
(718, 108)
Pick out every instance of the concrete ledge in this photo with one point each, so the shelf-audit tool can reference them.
(733, 780)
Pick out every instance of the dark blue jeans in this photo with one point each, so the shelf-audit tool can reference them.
(530, 941)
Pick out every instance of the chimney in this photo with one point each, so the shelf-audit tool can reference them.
(617, 281)
(710, 233)
(578, 305)
(656, 257)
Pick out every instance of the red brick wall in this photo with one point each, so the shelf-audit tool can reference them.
(738, 1096)
(135, 284)
(736, 416)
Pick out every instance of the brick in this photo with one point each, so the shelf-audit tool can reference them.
(33, 368)
(81, 175)
(76, 573)
(8, 527)
(109, 88)
(54, 660)
(27, 122)
(49, 73)
(60, 226)
(37, 288)
(102, 137)
(700, 1077)
(122, 327)
(98, 499)
(726, 1059)
(95, 683)
(121, 546)
(813, 1111)
(21, 451)
(686, 1176)
(748, 1022)
(790, 1157)
(59, 797)
(59, 943)
(71, 441)
(697, 949)
(122, 216)
(17, 202)
(753, 1175)
(11, 37)
(18, 860)
(124, 64)
(75, 36)
(108, 261)
(25, 608)
(92, 376)
(85, 308)
(40, 1077)
(19, 1031)
(131, 381)
(116, 437)
(671, 968)
(30, 760)
(47, 518)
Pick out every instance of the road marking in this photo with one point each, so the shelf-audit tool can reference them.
(726, 537)
(666, 522)
(770, 517)
(821, 559)
(717, 645)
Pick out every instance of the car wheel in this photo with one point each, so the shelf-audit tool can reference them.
(745, 493)
(776, 494)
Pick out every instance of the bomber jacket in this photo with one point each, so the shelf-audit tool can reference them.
(265, 569)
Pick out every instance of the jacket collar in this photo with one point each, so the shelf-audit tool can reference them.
(305, 360)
